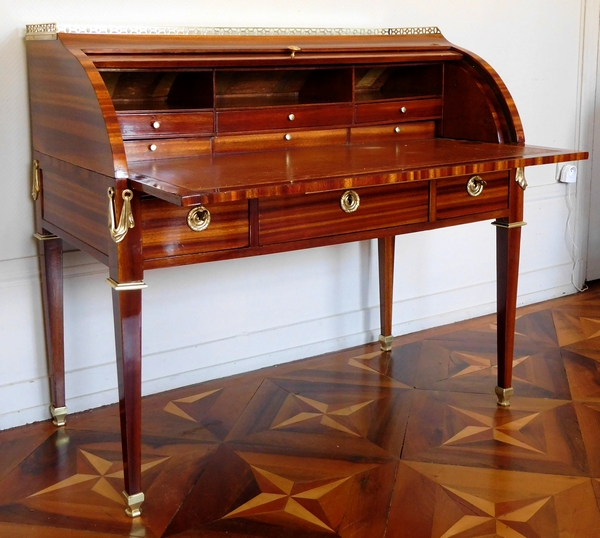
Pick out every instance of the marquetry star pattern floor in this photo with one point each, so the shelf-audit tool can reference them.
(358, 443)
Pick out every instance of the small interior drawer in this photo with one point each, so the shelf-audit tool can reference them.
(167, 148)
(166, 231)
(168, 124)
(454, 200)
(404, 131)
(294, 218)
(268, 141)
(398, 110)
(281, 118)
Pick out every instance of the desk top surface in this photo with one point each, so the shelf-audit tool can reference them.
(234, 176)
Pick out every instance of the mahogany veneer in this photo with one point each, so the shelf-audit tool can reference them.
(221, 147)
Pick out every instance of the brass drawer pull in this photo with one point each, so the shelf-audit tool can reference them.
(198, 218)
(475, 186)
(350, 201)
(292, 117)
(156, 124)
(293, 49)
(403, 110)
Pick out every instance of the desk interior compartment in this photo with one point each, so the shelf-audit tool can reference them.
(159, 90)
(243, 88)
(398, 82)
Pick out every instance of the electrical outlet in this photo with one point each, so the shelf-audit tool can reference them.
(568, 174)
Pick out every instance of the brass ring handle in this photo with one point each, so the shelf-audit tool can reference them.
(198, 218)
(475, 186)
(349, 201)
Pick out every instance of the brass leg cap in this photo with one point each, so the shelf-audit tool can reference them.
(59, 415)
(134, 503)
(386, 342)
(504, 395)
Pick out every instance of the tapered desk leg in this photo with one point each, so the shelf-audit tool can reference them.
(51, 265)
(508, 241)
(127, 309)
(386, 247)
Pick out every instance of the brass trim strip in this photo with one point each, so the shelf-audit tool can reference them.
(509, 224)
(386, 342)
(59, 415)
(45, 237)
(134, 503)
(504, 395)
(126, 286)
(35, 180)
(520, 178)
(49, 31)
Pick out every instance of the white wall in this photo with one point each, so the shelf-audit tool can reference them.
(216, 319)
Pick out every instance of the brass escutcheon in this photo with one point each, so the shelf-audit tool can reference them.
(475, 186)
(350, 201)
(198, 218)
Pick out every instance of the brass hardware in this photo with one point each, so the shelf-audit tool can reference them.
(350, 201)
(504, 396)
(288, 136)
(499, 224)
(152, 147)
(386, 342)
(198, 218)
(403, 110)
(475, 186)
(134, 503)
(119, 232)
(44, 237)
(35, 180)
(59, 415)
(292, 117)
(33, 30)
(520, 178)
(156, 124)
(127, 286)
(294, 50)
(397, 129)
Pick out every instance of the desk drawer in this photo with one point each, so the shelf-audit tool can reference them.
(398, 110)
(166, 232)
(168, 124)
(308, 216)
(453, 199)
(289, 117)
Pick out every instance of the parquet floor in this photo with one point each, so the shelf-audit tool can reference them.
(352, 444)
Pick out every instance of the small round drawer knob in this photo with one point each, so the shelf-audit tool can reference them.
(292, 117)
(475, 186)
(198, 218)
(403, 110)
(350, 201)
(397, 130)
(156, 124)
(152, 147)
(288, 136)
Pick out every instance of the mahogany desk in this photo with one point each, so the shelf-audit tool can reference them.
(207, 147)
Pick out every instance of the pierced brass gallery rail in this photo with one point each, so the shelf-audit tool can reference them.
(118, 232)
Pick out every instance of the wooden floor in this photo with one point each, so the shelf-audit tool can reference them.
(359, 443)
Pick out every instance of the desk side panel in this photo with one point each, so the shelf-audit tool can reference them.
(67, 119)
(75, 205)
(472, 87)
